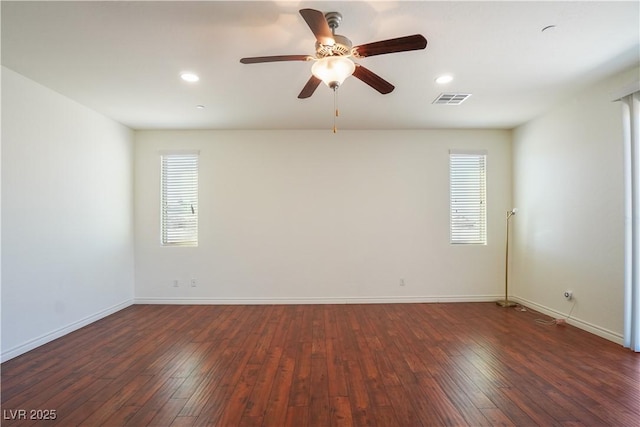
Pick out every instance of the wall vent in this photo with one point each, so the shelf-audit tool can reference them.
(451, 98)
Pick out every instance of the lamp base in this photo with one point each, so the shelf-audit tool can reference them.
(506, 303)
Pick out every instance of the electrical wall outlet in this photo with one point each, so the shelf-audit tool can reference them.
(175, 283)
(401, 282)
(194, 283)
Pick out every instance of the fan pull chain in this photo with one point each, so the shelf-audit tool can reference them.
(335, 107)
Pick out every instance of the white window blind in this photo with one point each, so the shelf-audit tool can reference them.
(467, 181)
(179, 202)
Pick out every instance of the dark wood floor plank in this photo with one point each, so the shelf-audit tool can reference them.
(459, 399)
(297, 416)
(361, 406)
(403, 407)
(509, 409)
(239, 397)
(319, 412)
(387, 365)
(336, 376)
(151, 406)
(49, 387)
(178, 422)
(536, 409)
(346, 342)
(243, 345)
(73, 401)
(444, 408)
(115, 403)
(275, 413)
(168, 415)
(497, 418)
(266, 375)
(341, 412)
(301, 385)
(462, 382)
(388, 375)
(330, 322)
(231, 353)
(77, 416)
(318, 333)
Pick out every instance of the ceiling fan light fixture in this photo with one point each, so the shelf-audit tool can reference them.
(333, 70)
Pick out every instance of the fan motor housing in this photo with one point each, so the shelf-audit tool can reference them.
(341, 47)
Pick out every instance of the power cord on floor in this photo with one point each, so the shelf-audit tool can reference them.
(520, 307)
(559, 321)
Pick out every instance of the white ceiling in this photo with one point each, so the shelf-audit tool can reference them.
(123, 59)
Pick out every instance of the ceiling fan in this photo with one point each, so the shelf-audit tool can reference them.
(334, 53)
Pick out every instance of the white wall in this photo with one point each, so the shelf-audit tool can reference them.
(568, 233)
(67, 215)
(309, 216)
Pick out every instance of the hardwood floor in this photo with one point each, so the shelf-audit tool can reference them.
(384, 365)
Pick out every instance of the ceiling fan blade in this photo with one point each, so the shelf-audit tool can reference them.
(310, 87)
(319, 26)
(373, 80)
(400, 44)
(277, 58)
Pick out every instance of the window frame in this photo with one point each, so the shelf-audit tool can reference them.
(470, 228)
(180, 228)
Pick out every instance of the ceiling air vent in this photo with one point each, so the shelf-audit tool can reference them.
(451, 98)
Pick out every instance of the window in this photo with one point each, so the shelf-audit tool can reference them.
(467, 181)
(179, 199)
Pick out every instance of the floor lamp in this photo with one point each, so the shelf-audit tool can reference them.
(505, 302)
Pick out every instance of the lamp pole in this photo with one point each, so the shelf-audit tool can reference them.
(505, 302)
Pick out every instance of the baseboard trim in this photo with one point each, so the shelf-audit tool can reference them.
(57, 333)
(578, 323)
(316, 300)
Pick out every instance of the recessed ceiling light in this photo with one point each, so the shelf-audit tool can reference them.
(200, 107)
(444, 79)
(189, 77)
